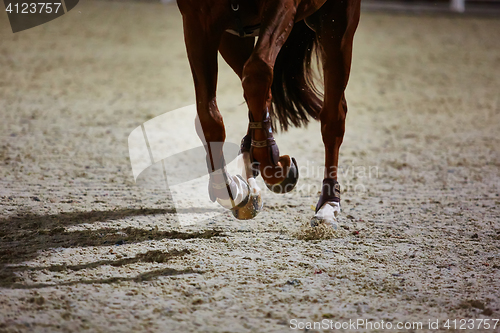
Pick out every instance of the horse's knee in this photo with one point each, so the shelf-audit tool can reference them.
(257, 76)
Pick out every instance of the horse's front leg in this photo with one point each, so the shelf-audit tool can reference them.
(336, 27)
(236, 51)
(202, 38)
(280, 173)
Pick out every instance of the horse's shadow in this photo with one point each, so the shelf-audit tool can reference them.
(24, 236)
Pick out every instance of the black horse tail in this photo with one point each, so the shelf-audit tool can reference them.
(295, 97)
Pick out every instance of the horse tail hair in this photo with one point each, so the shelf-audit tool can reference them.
(295, 96)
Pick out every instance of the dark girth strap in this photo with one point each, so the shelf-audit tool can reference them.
(235, 7)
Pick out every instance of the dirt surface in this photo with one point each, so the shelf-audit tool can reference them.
(83, 248)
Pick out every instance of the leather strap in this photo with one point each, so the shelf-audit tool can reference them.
(260, 144)
(270, 143)
(255, 125)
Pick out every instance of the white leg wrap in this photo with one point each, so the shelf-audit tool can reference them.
(254, 188)
(327, 214)
(240, 195)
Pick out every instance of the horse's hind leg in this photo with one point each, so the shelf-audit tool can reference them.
(276, 25)
(337, 23)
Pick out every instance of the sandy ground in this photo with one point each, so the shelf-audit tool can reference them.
(83, 248)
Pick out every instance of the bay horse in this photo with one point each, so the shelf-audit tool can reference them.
(276, 75)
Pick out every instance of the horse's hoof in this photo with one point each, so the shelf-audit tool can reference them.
(327, 215)
(288, 184)
(250, 210)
